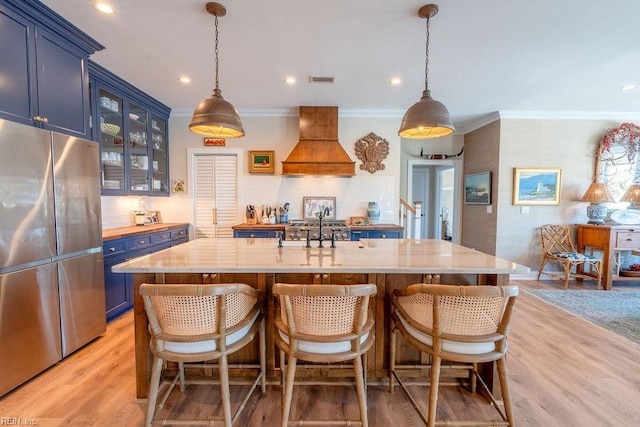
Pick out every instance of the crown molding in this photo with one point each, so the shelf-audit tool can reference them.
(569, 115)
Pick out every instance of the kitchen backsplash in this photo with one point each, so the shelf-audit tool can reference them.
(352, 197)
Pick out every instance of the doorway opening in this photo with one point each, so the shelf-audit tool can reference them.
(437, 184)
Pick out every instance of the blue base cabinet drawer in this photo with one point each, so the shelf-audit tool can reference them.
(375, 234)
(263, 234)
(118, 286)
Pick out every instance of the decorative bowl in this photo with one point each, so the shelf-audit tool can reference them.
(630, 273)
(110, 128)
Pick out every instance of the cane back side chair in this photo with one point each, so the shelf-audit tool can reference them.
(323, 324)
(197, 323)
(557, 245)
(466, 324)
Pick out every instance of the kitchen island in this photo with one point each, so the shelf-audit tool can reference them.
(388, 263)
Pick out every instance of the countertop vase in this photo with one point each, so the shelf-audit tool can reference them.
(373, 213)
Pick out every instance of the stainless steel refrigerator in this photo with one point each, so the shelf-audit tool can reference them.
(51, 269)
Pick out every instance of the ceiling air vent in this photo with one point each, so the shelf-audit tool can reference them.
(320, 79)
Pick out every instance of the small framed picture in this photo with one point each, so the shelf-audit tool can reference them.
(214, 142)
(313, 206)
(536, 186)
(477, 188)
(153, 217)
(261, 161)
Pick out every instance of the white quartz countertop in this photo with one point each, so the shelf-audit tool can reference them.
(366, 256)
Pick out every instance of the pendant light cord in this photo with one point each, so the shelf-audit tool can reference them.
(426, 60)
(216, 50)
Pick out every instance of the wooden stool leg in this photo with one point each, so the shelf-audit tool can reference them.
(288, 394)
(224, 390)
(181, 373)
(154, 384)
(283, 369)
(433, 391)
(392, 354)
(506, 393)
(361, 390)
(263, 355)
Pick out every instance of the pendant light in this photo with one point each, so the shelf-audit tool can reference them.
(426, 118)
(214, 116)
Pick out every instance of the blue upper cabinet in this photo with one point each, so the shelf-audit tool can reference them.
(132, 129)
(44, 75)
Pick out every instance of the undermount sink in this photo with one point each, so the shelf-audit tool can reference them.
(325, 243)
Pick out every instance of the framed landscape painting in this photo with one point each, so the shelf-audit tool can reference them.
(477, 188)
(536, 186)
(261, 162)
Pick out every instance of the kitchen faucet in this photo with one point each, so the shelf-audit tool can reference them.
(323, 213)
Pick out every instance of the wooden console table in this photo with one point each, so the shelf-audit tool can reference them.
(609, 239)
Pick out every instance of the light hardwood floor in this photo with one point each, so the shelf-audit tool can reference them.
(564, 371)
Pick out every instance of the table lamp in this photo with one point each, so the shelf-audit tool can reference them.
(597, 194)
(632, 195)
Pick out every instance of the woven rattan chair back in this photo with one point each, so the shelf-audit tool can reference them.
(324, 324)
(557, 245)
(197, 323)
(556, 238)
(467, 324)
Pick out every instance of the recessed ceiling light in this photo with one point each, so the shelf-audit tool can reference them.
(628, 87)
(185, 79)
(104, 7)
(290, 80)
(395, 81)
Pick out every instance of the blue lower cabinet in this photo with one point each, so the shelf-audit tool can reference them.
(375, 234)
(264, 234)
(118, 286)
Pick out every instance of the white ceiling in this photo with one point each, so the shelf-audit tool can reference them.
(550, 57)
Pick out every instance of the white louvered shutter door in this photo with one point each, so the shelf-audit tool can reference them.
(216, 195)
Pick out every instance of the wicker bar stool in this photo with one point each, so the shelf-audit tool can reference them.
(323, 324)
(198, 323)
(467, 324)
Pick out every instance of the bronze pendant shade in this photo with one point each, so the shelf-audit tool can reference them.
(426, 118)
(214, 116)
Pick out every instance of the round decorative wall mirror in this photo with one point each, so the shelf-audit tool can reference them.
(618, 162)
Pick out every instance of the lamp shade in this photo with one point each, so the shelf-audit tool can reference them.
(597, 192)
(632, 194)
(426, 119)
(216, 117)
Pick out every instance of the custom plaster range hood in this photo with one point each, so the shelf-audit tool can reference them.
(318, 151)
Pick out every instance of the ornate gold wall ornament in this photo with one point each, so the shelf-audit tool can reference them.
(372, 150)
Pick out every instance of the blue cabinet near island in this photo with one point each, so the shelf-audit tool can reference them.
(44, 68)
(380, 231)
(125, 243)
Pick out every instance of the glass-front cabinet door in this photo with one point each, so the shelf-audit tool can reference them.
(138, 149)
(159, 173)
(132, 129)
(110, 129)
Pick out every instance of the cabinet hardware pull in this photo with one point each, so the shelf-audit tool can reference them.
(215, 216)
(44, 119)
(141, 242)
(325, 276)
(317, 276)
(112, 249)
